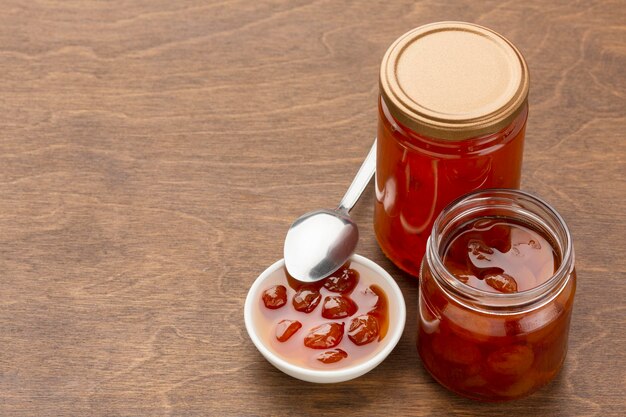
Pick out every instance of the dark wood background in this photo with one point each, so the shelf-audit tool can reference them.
(153, 154)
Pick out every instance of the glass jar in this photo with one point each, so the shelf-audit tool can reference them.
(452, 117)
(495, 346)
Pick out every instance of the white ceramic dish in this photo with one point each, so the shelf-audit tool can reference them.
(397, 318)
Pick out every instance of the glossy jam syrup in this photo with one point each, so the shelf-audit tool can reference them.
(417, 176)
(481, 354)
(333, 323)
(500, 256)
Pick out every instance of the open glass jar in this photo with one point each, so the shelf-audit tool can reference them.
(487, 345)
(452, 117)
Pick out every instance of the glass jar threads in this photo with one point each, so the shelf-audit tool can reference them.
(452, 117)
(497, 287)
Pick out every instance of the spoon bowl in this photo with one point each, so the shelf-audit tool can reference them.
(318, 243)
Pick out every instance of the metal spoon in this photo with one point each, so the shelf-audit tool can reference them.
(320, 241)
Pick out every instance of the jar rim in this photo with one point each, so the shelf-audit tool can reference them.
(504, 302)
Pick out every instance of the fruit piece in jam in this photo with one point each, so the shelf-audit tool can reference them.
(332, 356)
(363, 329)
(324, 336)
(306, 299)
(511, 360)
(343, 280)
(338, 307)
(275, 297)
(501, 282)
(286, 328)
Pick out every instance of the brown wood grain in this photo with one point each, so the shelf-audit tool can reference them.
(153, 154)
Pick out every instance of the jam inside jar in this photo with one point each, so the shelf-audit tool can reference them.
(449, 123)
(497, 287)
(416, 177)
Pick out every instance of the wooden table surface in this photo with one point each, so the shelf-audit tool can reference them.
(153, 154)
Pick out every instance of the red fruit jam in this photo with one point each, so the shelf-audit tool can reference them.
(326, 325)
(500, 256)
(416, 177)
(496, 296)
(452, 116)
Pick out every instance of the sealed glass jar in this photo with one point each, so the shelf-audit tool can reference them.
(497, 287)
(452, 117)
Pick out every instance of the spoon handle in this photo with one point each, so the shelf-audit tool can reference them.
(359, 183)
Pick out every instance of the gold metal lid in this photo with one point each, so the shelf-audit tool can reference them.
(454, 80)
